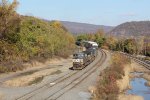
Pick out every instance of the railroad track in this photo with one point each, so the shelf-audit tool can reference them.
(146, 64)
(43, 87)
(79, 79)
(57, 81)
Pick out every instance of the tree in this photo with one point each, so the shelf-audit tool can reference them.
(146, 49)
(82, 37)
(57, 24)
(91, 37)
(140, 44)
(9, 21)
(99, 37)
(111, 42)
(130, 46)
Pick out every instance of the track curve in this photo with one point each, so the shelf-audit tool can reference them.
(48, 92)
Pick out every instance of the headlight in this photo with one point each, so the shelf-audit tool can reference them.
(77, 60)
(81, 60)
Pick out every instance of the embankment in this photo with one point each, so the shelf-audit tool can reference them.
(115, 80)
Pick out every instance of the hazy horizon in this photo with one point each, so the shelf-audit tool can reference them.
(98, 12)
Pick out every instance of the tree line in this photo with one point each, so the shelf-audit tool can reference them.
(133, 45)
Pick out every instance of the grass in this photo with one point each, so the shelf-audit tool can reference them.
(36, 80)
(10, 66)
(39, 79)
(28, 73)
(56, 72)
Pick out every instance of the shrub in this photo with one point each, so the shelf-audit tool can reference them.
(107, 88)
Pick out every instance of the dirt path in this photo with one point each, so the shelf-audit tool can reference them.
(51, 84)
(39, 67)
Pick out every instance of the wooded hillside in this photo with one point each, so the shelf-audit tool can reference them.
(129, 29)
(24, 38)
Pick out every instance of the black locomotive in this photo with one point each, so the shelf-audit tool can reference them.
(84, 58)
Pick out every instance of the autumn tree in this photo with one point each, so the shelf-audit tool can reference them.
(111, 42)
(146, 46)
(58, 24)
(9, 21)
(139, 44)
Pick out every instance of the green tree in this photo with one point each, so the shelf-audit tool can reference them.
(130, 46)
(82, 37)
(99, 37)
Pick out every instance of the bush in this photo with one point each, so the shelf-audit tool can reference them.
(107, 88)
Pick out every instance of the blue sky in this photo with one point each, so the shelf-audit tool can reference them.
(101, 12)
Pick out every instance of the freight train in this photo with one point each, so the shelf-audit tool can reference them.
(84, 58)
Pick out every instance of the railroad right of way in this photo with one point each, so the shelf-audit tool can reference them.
(65, 83)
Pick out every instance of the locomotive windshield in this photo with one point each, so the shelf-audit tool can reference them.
(78, 55)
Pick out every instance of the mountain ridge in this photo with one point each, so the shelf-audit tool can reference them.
(133, 28)
(77, 27)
